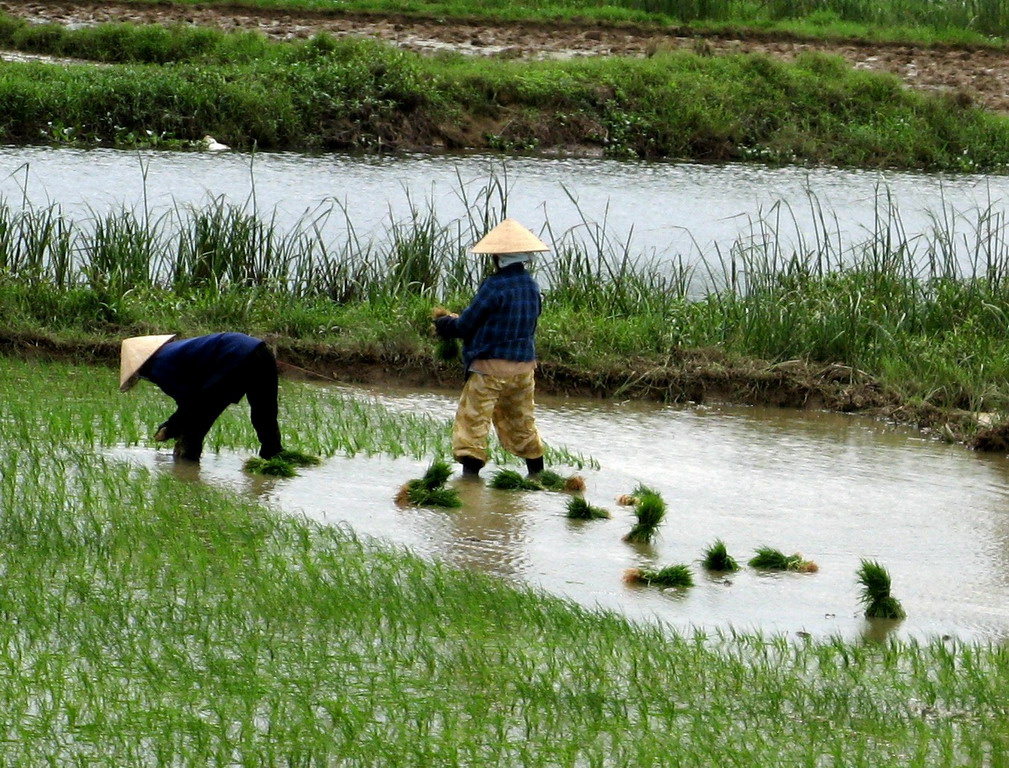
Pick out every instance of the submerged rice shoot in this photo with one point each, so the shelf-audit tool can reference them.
(879, 603)
(717, 558)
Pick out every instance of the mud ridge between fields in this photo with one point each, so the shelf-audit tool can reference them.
(971, 74)
(690, 376)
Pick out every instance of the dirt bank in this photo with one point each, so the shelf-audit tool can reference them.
(687, 376)
(980, 75)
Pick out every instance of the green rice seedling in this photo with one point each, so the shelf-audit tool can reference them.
(510, 480)
(276, 466)
(430, 490)
(770, 559)
(670, 576)
(879, 603)
(447, 350)
(717, 558)
(547, 480)
(579, 509)
(298, 459)
(650, 510)
(554, 481)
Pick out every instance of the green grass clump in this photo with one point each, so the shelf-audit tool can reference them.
(879, 603)
(579, 509)
(717, 558)
(650, 510)
(770, 559)
(298, 459)
(282, 465)
(510, 480)
(275, 466)
(547, 480)
(670, 576)
(430, 490)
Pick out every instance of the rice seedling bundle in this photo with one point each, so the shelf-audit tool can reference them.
(430, 490)
(276, 466)
(879, 603)
(717, 558)
(650, 510)
(547, 480)
(770, 559)
(282, 465)
(670, 576)
(579, 509)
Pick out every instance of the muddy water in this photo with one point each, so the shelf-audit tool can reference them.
(659, 210)
(836, 488)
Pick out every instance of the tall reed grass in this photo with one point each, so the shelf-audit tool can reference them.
(924, 314)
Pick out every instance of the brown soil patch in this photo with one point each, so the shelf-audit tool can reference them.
(980, 75)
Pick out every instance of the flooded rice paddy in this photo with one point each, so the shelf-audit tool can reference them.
(837, 488)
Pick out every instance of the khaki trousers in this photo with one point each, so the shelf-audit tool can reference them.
(505, 400)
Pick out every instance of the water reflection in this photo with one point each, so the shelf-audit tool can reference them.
(835, 488)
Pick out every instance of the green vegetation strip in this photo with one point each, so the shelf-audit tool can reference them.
(357, 94)
(890, 320)
(151, 620)
(982, 22)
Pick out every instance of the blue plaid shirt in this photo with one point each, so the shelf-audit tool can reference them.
(500, 322)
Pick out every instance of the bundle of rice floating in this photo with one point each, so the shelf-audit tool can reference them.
(650, 510)
(284, 464)
(547, 480)
(430, 490)
(678, 576)
(770, 559)
(879, 603)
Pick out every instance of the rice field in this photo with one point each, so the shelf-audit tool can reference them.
(155, 621)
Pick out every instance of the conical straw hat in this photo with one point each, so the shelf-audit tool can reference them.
(509, 237)
(136, 351)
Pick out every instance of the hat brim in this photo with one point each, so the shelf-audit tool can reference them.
(136, 351)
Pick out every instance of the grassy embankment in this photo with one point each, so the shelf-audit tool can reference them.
(976, 23)
(885, 323)
(150, 619)
(325, 94)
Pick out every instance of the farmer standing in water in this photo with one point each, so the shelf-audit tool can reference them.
(204, 375)
(499, 353)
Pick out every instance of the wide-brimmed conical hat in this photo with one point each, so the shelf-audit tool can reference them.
(509, 237)
(136, 351)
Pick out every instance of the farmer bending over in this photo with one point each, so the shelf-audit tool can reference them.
(204, 375)
(499, 353)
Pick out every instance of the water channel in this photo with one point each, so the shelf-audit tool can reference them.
(837, 488)
(659, 211)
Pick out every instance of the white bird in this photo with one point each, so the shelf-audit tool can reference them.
(213, 145)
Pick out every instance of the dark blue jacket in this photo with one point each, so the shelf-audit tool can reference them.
(189, 368)
(500, 322)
